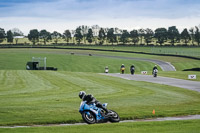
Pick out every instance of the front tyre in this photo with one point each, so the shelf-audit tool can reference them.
(88, 117)
(115, 117)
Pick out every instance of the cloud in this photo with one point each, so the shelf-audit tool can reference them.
(62, 14)
(80, 9)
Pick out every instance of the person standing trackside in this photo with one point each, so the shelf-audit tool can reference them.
(122, 68)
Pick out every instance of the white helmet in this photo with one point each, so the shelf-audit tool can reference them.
(82, 94)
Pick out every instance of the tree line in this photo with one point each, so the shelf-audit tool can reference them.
(85, 35)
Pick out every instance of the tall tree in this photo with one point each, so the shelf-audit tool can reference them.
(56, 36)
(134, 36)
(9, 36)
(17, 32)
(148, 35)
(78, 35)
(185, 36)
(101, 36)
(197, 35)
(161, 35)
(141, 33)
(2, 35)
(89, 36)
(84, 32)
(111, 36)
(67, 35)
(124, 37)
(173, 34)
(33, 36)
(191, 30)
(45, 36)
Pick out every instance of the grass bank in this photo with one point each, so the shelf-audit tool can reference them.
(42, 97)
(15, 59)
(186, 126)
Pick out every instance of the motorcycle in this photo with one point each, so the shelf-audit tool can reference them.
(91, 114)
(155, 71)
(132, 71)
(122, 70)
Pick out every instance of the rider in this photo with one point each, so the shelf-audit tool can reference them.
(122, 68)
(155, 67)
(90, 99)
(132, 69)
(106, 69)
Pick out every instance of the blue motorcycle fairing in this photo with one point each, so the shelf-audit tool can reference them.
(92, 107)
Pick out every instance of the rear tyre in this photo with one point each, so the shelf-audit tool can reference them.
(88, 117)
(122, 71)
(115, 117)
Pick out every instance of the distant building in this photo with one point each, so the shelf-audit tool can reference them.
(18, 37)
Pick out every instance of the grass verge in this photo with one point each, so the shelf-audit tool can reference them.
(186, 126)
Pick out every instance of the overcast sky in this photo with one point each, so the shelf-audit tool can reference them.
(59, 15)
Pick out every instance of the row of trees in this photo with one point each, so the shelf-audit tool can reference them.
(10, 35)
(111, 35)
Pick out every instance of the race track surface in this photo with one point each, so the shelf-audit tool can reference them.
(186, 84)
(165, 66)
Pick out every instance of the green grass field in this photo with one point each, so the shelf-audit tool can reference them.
(43, 97)
(187, 126)
(16, 59)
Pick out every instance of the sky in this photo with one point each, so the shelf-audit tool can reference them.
(60, 15)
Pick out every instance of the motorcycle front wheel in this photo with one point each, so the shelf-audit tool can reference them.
(88, 117)
(115, 117)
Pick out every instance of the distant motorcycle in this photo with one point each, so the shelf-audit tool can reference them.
(132, 71)
(122, 70)
(92, 114)
(155, 72)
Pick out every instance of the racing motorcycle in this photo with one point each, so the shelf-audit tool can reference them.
(91, 114)
(155, 71)
(122, 70)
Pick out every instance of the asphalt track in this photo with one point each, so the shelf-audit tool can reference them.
(165, 66)
(186, 84)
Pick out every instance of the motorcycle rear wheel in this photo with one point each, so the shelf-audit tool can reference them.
(88, 118)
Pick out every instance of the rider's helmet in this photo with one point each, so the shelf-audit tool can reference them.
(82, 94)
